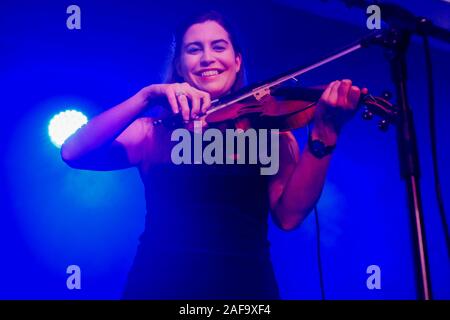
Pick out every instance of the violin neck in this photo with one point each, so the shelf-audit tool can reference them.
(297, 93)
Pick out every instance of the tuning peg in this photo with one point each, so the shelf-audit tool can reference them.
(367, 114)
(387, 95)
(383, 125)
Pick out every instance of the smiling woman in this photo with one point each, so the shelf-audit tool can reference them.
(209, 61)
(210, 240)
(206, 231)
(208, 56)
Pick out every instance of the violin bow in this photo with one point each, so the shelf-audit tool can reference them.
(260, 91)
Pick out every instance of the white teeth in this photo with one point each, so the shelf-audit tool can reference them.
(209, 73)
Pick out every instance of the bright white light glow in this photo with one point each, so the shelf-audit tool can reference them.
(64, 124)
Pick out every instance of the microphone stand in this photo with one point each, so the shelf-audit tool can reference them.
(401, 25)
(398, 42)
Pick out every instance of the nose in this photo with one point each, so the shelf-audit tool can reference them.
(207, 58)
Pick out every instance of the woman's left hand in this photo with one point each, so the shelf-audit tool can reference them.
(337, 105)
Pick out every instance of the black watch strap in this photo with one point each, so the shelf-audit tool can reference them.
(318, 148)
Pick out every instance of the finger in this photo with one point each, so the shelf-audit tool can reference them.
(185, 110)
(333, 97)
(170, 94)
(353, 96)
(343, 91)
(182, 101)
(195, 103)
(181, 91)
(327, 92)
(364, 91)
(194, 99)
(206, 100)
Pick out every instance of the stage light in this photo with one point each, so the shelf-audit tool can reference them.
(64, 124)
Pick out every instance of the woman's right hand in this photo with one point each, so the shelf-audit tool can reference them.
(181, 97)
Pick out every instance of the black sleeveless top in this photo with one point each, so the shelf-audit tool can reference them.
(205, 235)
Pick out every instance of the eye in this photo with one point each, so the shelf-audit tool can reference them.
(219, 48)
(193, 50)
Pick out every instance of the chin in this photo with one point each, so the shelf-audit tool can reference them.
(215, 92)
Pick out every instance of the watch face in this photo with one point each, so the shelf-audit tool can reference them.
(319, 149)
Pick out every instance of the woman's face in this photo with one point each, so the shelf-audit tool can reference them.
(208, 61)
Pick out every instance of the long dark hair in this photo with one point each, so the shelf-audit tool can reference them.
(172, 74)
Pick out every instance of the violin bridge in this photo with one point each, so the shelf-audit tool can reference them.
(261, 94)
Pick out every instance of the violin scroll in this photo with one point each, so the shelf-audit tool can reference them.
(382, 107)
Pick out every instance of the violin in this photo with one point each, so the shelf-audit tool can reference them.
(272, 104)
(283, 107)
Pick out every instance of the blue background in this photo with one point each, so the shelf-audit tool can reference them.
(52, 216)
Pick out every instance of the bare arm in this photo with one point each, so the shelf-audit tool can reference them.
(296, 188)
(109, 141)
(115, 138)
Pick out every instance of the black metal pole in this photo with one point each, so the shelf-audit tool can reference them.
(409, 159)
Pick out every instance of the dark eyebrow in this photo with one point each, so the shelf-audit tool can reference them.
(198, 43)
(219, 40)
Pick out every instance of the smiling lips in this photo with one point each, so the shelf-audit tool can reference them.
(209, 73)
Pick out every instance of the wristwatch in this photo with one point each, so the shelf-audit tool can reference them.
(318, 148)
